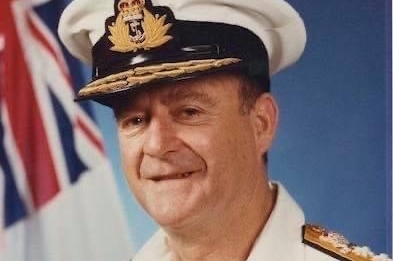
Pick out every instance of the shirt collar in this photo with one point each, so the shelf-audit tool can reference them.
(280, 239)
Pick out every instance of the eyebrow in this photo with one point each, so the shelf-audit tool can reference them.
(175, 94)
(121, 107)
(186, 93)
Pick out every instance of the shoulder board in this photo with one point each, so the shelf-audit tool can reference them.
(337, 246)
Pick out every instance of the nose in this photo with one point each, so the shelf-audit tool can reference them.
(160, 138)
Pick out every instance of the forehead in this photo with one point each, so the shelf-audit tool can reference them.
(202, 88)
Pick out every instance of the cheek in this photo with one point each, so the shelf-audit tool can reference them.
(215, 147)
(129, 153)
(234, 152)
(221, 154)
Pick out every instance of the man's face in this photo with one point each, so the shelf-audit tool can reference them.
(188, 152)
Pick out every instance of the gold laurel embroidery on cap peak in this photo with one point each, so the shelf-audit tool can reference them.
(338, 245)
(126, 80)
(102, 88)
(152, 30)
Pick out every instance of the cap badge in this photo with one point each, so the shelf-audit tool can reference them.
(137, 28)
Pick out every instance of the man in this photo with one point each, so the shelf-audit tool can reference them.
(189, 85)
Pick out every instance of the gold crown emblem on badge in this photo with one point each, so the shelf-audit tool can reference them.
(137, 28)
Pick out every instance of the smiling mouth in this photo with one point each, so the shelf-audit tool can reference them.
(173, 177)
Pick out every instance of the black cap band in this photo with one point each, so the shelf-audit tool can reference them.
(157, 38)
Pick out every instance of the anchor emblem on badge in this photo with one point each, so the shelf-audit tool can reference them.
(135, 27)
(132, 13)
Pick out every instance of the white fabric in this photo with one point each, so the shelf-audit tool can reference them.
(85, 219)
(82, 24)
(78, 225)
(280, 240)
(274, 21)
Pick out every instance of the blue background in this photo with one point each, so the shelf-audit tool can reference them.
(333, 148)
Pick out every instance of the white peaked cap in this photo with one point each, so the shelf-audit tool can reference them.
(275, 22)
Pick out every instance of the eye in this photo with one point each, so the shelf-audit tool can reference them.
(133, 122)
(138, 120)
(189, 112)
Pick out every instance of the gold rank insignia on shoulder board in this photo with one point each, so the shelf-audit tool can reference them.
(338, 246)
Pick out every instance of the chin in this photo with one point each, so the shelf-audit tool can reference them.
(172, 218)
(174, 213)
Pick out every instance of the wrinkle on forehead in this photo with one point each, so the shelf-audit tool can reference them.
(199, 89)
(195, 91)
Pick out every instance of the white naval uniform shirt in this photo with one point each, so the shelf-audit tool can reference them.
(280, 239)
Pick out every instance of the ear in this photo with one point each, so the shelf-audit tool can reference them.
(266, 116)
